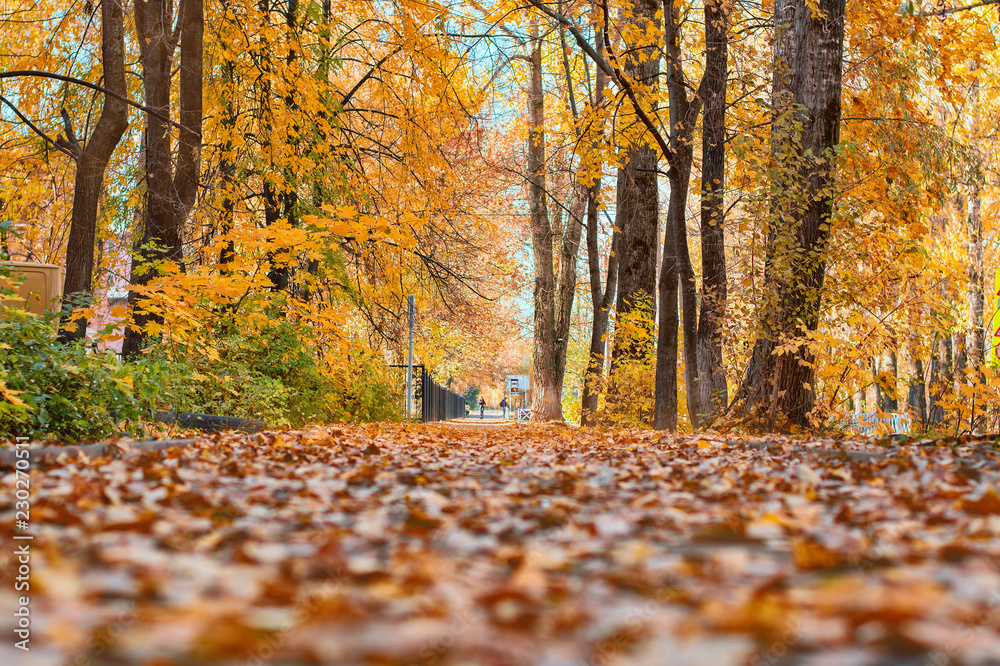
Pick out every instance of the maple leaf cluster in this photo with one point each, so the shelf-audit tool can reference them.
(514, 545)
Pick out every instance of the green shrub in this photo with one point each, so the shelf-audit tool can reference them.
(278, 375)
(65, 391)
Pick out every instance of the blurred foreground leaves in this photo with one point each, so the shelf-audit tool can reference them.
(514, 545)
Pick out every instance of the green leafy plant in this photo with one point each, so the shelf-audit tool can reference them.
(68, 391)
(278, 374)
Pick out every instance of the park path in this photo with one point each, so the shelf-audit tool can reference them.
(511, 544)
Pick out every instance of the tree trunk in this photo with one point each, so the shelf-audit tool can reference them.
(91, 163)
(601, 299)
(961, 360)
(160, 234)
(227, 163)
(555, 287)
(942, 377)
(917, 397)
(977, 295)
(934, 411)
(602, 304)
(879, 397)
(186, 178)
(778, 388)
(665, 402)
(714, 391)
(637, 198)
(892, 393)
(290, 196)
(683, 117)
(545, 402)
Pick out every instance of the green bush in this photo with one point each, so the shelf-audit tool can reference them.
(60, 390)
(275, 375)
(279, 375)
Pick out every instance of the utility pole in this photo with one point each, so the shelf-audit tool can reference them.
(409, 366)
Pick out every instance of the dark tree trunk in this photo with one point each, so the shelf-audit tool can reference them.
(281, 275)
(277, 261)
(961, 360)
(934, 411)
(637, 199)
(917, 397)
(601, 299)
(317, 146)
(544, 353)
(892, 392)
(714, 391)
(680, 179)
(778, 388)
(676, 254)
(91, 163)
(947, 361)
(186, 178)
(879, 398)
(169, 196)
(665, 402)
(227, 164)
(942, 377)
(160, 233)
(278, 271)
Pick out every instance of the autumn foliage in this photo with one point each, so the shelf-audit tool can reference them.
(316, 163)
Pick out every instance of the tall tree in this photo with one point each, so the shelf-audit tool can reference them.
(227, 162)
(806, 112)
(602, 294)
(677, 272)
(712, 385)
(555, 274)
(637, 194)
(170, 194)
(635, 71)
(91, 162)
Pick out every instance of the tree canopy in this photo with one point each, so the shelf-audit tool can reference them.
(681, 214)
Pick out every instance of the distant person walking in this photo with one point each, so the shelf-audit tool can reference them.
(503, 406)
(482, 407)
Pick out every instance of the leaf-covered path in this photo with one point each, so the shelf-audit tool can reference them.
(512, 545)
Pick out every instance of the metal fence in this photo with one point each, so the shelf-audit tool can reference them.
(436, 402)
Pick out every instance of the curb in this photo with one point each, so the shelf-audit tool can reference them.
(51, 454)
(212, 422)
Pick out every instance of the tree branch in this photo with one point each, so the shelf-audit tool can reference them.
(953, 10)
(34, 128)
(70, 143)
(102, 89)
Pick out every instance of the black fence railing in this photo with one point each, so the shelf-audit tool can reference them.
(436, 402)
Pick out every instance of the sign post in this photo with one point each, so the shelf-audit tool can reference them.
(517, 388)
(409, 365)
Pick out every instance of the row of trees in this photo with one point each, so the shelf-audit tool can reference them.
(778, 213)
(848, 248)
(239, 161)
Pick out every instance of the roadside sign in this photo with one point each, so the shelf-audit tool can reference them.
(518, 382)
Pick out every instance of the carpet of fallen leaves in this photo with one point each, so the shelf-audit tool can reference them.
(500, 545)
